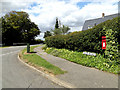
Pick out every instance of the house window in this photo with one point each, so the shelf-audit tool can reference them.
(89, 26)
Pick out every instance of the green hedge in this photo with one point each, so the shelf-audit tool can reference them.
(88, 40)
(55, 41)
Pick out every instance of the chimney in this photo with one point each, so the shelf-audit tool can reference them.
(103, 14)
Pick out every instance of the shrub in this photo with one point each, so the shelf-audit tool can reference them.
(112, 44)
(57, 41)
(88, 40)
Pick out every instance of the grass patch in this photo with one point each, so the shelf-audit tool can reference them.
(35, 60)
(98, 61)
(4, 46)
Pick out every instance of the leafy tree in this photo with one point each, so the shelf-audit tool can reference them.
(57, 31)
(65, 29)
(47, 34)
(0, 32)
(17, 27)
(60, 30)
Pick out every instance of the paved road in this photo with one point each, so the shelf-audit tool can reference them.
(16, 75)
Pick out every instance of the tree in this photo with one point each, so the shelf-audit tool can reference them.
(60, 30)
(65, 29)
(56, 25)
(17, 27)
(47, 34)
(0, 32)
(56, 31)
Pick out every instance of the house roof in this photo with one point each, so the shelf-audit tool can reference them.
(93, 22)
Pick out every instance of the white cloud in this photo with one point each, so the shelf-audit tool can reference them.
(7, 5)
(75, 28)
(40, 36)
(46, 11)
(95, 10)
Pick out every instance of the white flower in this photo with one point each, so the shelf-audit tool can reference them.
(110, 55)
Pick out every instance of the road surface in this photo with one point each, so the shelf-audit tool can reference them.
(17, 75)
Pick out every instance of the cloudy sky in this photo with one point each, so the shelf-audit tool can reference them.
(72, 13)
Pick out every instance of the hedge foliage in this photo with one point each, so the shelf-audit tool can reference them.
(57, 41)
(112, 45)
(88, 40)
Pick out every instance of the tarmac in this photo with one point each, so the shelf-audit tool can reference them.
(80, 76)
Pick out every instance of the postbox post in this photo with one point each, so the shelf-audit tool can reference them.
(28, 47)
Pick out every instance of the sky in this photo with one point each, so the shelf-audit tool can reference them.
(72, 13)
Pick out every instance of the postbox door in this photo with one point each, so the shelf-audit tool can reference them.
(103, 45)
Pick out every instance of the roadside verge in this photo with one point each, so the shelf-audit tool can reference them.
(49, 76)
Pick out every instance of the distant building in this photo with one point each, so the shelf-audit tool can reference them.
(93, 22)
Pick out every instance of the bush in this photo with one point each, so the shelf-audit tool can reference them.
(55, 41)
(112, 44)
(88, 40)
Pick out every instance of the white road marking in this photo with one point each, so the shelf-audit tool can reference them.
(18, 46)
(9, 53)
(13, 47)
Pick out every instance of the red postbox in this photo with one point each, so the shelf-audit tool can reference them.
(103, 42)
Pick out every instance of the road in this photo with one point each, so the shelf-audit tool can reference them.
(17, 75)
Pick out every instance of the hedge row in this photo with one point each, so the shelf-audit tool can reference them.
(88, 40)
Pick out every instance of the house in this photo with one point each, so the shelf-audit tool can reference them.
(93, 22)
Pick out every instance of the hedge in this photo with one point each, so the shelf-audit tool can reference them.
(88, 40)
(55, 41)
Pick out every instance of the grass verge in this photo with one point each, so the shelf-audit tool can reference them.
(33, 59)
(4, 46)
(98, 61)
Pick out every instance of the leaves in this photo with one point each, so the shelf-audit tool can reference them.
(14, 26)
(91, 39)
(98, 62)
(47, 34)
(112, 44)
(59, 30)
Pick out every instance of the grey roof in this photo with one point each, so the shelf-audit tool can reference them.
(91, 23)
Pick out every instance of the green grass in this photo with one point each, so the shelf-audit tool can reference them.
(98, 61)
(4, 46)
(40, 62)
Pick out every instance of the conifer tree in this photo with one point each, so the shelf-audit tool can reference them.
(56, 25)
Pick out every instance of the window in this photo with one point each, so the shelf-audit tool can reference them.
(89, 26)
